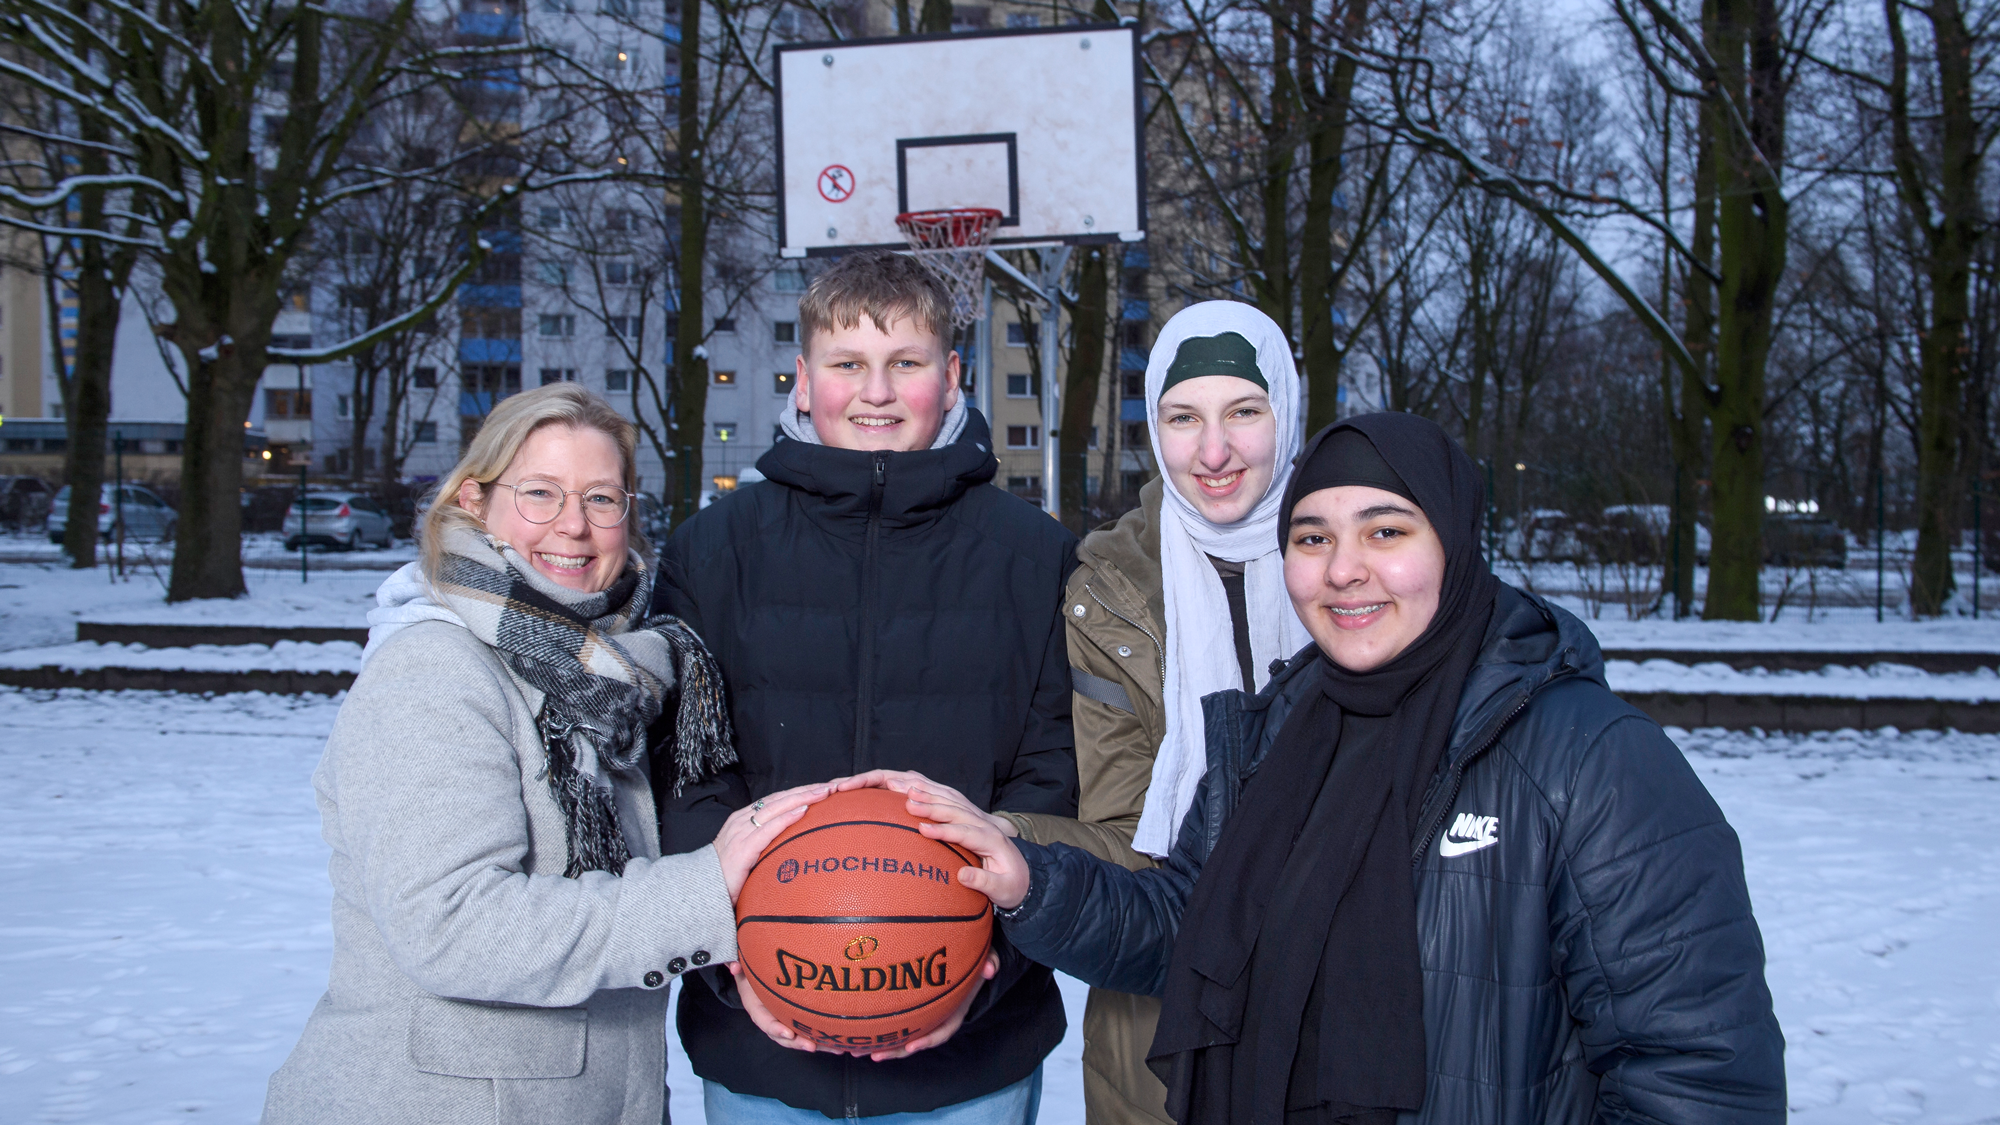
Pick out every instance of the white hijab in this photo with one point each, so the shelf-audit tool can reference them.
(1201, 647)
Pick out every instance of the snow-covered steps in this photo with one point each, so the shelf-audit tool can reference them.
(1811, 660)
(1832, 697)
(287, 667)
(174, 634)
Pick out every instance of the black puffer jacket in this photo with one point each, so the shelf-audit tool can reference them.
(1588, 949)
(879, 610)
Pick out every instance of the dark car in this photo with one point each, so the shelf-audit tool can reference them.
(24, 502)
(264, 506)
(1804, 540)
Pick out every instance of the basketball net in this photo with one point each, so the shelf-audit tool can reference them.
(952, 244)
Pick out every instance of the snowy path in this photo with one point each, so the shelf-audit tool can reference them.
(163, 907)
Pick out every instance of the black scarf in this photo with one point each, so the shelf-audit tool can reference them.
(1320, 846)
(604, 672)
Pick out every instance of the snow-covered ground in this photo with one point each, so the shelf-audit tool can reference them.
(1877, 681)
(163, 910)
(40, 603)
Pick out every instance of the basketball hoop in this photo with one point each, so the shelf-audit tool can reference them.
(952, 244)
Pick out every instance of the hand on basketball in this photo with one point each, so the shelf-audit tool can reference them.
(914, 784)
(761, 1016)
(749, 830)
(1004, 878)
(949, 1027)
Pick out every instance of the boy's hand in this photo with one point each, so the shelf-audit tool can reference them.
(949, 1027)
(913, 784)
(1004, 878)
(761, 1016)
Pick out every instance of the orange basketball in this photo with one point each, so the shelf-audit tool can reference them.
(854, 928)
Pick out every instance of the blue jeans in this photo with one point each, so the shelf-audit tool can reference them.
(1018, 1104)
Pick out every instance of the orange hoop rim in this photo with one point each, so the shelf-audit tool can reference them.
(962, 227)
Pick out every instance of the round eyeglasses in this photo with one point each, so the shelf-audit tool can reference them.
(541, 501)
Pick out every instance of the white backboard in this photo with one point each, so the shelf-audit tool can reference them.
(1039, 124)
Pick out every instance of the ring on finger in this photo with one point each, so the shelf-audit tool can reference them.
(753, 821)
(759, 806)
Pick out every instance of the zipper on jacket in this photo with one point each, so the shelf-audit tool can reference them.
(850, 1095)
(1458, 778)
(1159, 650)
(865, 682)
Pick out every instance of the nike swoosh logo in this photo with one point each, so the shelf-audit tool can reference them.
(1448, 847)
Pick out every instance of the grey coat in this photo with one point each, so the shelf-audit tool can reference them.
(471, 981)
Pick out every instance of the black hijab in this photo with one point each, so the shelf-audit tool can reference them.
(1295, 985)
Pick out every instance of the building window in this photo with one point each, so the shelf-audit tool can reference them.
(725, 431)
(1135, 436)
(1024, 437)
(618, 379)
(785, 332)
(551, 218)
(1028, 488)
(1023, 19)
(552, 273)
(783, 382)
(789, 279)
(288, 403)
(490, 324)
(622, 327)
(554, 324)
(1093, 442)
(723, 378)
(354, 296)
(558, 375)
(1135, 334)
(424, 432)
(424, 378)
(618, 273)
(1017, 335)
(1135, 384)
(298, 298)
(618, 221)
(725, 324)
(343, 406)
(1022, 386)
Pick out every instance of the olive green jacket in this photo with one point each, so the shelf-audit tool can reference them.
(1117, 623)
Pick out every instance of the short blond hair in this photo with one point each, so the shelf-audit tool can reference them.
(499, 441)
(881, 285)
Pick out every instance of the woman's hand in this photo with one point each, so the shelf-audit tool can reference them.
(749, 830)
(1004, 878)
(761, 1016)
(949, 1027)
(907, 781)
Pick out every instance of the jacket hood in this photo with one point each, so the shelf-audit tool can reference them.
(1529, 644)
(916, 487)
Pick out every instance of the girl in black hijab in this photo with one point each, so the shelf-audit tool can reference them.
(1319, 959)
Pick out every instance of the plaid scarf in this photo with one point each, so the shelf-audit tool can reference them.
(604, 671)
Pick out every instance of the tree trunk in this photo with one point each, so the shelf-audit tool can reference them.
(1948, 242)
(86, 392)
(1274, 289)
(1751, 224)
(208, 551)
(690, 356)
(1684, 424)
(1080, 382)
(935, 18)
(1326, 143)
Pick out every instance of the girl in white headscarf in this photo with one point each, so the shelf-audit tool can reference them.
(1181, 597)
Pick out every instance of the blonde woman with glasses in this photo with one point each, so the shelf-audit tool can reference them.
(505, 926)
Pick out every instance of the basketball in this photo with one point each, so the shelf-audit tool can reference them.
(853, 927)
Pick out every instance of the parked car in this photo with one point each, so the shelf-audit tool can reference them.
(1546, 535)
(1792, 539)
(264, 506)
(147, 517)
(24, 502)
(337, 519)
(1638, 533)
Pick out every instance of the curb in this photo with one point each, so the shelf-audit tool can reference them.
(195, 681)
(1793, 660)
(1814, 712)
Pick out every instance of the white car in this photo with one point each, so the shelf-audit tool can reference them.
(337, 519)
(146, 515)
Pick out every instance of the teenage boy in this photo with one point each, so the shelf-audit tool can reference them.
(875, 604)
